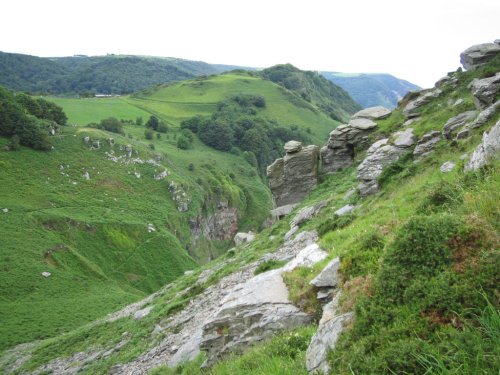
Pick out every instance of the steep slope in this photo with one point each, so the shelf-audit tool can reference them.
(371, 90)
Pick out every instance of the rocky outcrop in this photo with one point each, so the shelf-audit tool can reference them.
(373, 113)
(478, 55)
(487, 150)
(457, 122)
(220, 225)
(307, 213)
(485, 91)
(485, 115)
(379, 155)
(417, 100)
(293, 177)
(242, 237)
(426, 144)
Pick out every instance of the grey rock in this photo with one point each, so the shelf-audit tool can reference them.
(426, 144)
(129, 150)
(330, 327)
(221, 225)
(362, 124)
(161, 175)
(307, 257)
(111, 142)
(282, 211)
(288, 235)
(242, 237)
(96, 145)
(447, 167)
(485, 90)
(86, 176)
(307, 213)
(86, 139)
(411, 121)
(46, 274)
(5, 210)
(347, 209)
(412, 108)
(325, 293)
(139, 314)
(485, 115)
(373, 113)
(457, 122)
(328, 278)
(478, 55)
(458, 102)
(462, 134)
(293, 177)
(188, 272)
(349, 194)
(487, 150)
(292, 146)
(404, 138)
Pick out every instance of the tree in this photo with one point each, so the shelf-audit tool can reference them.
(148, 133)
(152, 122)
(162, 127)
(183, 143)
(112, 124)
(139, 121)
(217, 135)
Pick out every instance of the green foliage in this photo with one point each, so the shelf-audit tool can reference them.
(15, 143)
(300, 292)
(139, 121)
(269, 265)
(148, 133)
(443, 196)
(335, 222)
(183, 143)
(162, 127)
(42, 108)
(112, 124)
(152, 122)
(401, 168)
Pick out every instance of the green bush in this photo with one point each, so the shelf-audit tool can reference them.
(183, 143)
(269, 265)
(148, 133)
(401, 168)
(112, 124)
(442, 196)
(336, 222)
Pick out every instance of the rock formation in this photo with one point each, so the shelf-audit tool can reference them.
(379, 155)
(426, 144)
(416, 100)
(478, 55)
(457, 122)
(219, 225)
(487, 150)
(373, 113)
(485, 90)
(293, 177)
(242, 237)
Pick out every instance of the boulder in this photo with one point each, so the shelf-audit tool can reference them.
(347, 209)
(307, 213)
(457, 122)
(161, 175)
(330, 327)
(478, 55)
(280, 212)
(46, 274)
(86, 176)
(5, 210)
(328, 278)
(242, 237)
(485, 115)
(426, 144)
(412, 108)
(139, 314)
(373, 113)
(447, 167)
(487, 150)
(362, 124)
(404, 138)
(293, 177)
(292, 146)
(485, 90)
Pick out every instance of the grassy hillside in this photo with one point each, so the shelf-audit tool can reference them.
(419, 268)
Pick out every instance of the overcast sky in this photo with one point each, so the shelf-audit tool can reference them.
(415, 40)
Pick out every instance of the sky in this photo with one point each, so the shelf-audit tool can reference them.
(419, 41)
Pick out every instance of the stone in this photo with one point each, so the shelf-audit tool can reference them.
(282, 211)
(478, 55)
(96, 144)
(404, 138)
(188, 272)
(86, 176)
(293, 177)
(139, 314)
(292, 146)
(161, 175)
(426, 144)
(324, 340)
(307, 213)
(137, 174)
(373, 113)
(457, 122)
(5, 210)
(462, 134)
(288, 235)
(485, 90)
(347, 209)
(349, 194)
(307, 257)
(447, 167)
(129, 150)
(328, 278)
(242, 237)
(46, 274)
(111, 142)
(411, 121)
(86, 139)
(412, 108)
(487, 150)
(362, 124)
(485, 115)
(458, 102)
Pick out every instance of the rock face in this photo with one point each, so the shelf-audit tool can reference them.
(220, 225)
(478, 55)
(256, 310)
(426, 144)
(379, 155)
(307, 213)
(293, 177)
(373, 113)
(242, 237)
(329, 276)
(487, 150)
(458, 122)
(485, 90)
(485, 115)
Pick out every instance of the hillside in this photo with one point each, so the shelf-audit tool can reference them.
(370, 90)
(389, 265)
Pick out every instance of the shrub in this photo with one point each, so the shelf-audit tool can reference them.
(443, 195)
(191, 167)
(158, 136)
(152, 123)
(14, 143)
(148, 133)
(112, 124)
(162, 127)
(183, 143)
(336, 222)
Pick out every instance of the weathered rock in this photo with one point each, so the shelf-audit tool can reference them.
(458, 122)
(307, 257)
(404, 138)
(111, 142)
(458, 102)
(307, 213)
(128, 150)
(86, 176)
(426, 144)
(362, 124)
(139, 314)
(288, 235)
(462, 134)
(86, 139)
(219, 225)
(347, 209)
(280, 212)
(46, 274)
(5, 210)
(242, 237)
(293, 177)
(487, 150)
(425, 96)
(379, 155)
(447, 167)
(485, 115)
(292, 146)
(485, 90)
(373, 113)
(255, 310)
(330, 327)
(328, 278)
(478, 55)
(161, 175)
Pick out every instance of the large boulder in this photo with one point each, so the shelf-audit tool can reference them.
(478, 55)
(373, 113)
(379, 155)
(485, 90)
(457, 122)
(293, 177)
(487, 150)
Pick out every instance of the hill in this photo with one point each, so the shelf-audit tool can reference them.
(370, 90)
(404, 275)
